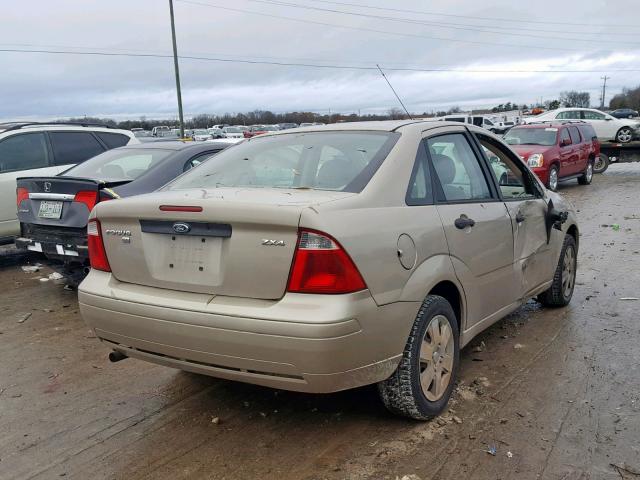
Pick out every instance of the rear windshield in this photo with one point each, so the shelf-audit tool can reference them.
(532, 136)
(119, 164)
(337, 161)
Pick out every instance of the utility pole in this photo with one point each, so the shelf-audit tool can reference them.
(604, 89)
(177, 69)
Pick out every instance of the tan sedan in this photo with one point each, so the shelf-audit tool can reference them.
(329, 257)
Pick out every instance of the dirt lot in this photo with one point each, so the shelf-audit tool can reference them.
(557, 393)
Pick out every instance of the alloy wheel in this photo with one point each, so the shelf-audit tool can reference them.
(553, 179)
(436, 358)
(568, 272)
(624, 135)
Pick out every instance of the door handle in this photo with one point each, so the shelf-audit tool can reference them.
(520, 217)
(463, 222)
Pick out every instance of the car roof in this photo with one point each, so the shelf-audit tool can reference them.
(379, 126)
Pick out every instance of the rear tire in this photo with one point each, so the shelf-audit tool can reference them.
(624, 135)
(601, 165)
(421, 386)
(587, 176)
(552, 183)
(564, 279)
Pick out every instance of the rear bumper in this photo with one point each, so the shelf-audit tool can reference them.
(59, 243)
(309, 343)
(57, 250)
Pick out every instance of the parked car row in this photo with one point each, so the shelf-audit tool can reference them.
(607, 127)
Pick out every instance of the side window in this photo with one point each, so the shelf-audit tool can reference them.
(565, 138)
(457, 168)
(198, 159)
(24, 151)
(569, 115)
(575, 135)
(73, 147)
(588, 115)
(419, 191)
(510, 174)
(113, 140)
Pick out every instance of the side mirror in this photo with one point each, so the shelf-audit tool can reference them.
(608, 119)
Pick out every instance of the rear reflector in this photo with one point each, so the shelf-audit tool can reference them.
(180, 208)
(88, 197)
(321, 265)
(97, 253)
(21, 194)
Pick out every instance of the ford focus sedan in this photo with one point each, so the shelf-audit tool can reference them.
(328, 258)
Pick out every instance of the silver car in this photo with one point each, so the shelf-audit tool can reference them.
(330, 258)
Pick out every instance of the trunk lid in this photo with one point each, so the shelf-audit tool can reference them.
(61, 201)
(240, 244)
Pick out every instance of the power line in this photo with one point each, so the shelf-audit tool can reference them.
(464, 27)
(372, 30)
(493, 19)
(298, 64)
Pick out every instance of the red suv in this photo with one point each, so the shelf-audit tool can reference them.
(557, 151)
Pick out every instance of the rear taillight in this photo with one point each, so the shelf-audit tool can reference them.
(21, 194)
(321, 265)
(88, 197)
(97, 253)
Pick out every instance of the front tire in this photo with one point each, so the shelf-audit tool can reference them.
(624, 135)
(564, 279)
(587, 176)
(421, 386)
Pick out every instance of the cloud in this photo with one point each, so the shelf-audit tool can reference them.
(40, 85)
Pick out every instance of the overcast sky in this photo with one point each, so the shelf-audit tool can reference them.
(468, 35)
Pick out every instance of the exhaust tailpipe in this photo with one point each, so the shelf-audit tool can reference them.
(116, 356)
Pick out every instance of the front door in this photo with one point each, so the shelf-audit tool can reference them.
(535, 255)
(476, 223)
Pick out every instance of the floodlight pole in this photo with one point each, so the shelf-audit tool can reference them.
(177, 69)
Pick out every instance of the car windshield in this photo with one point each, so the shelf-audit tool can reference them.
(337, 161)
(532, 136)
(118, 164)
(200, 132)
(232, 130)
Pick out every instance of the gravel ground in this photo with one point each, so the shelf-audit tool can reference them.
(556, 393)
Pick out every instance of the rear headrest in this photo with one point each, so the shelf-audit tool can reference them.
(445, 167)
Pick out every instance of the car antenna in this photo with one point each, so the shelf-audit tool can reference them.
(394, 92)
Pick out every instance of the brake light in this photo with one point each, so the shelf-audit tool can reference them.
(21, 194)
(97, 253)
(88, 197)
(180, 208)
(321, 265)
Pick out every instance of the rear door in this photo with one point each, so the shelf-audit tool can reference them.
(580, 150)
(20, 154)
(476, 224)
(535, 254)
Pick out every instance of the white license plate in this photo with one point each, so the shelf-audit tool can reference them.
(50, 209)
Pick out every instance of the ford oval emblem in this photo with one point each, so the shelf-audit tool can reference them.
(181, 227)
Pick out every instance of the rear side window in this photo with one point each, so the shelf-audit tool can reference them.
(588, 132)
(419, 191)
(113, 140)
(575, 135)
(73, 147)
(23, 152)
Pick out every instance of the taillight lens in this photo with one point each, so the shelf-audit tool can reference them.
(97, 253)
(88, 197)
(321, 265)
(21, 194)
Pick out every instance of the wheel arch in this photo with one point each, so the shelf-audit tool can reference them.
(450, 292)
